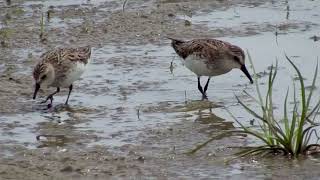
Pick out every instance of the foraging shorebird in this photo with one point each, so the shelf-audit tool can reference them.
(210, 57)
(60, 68)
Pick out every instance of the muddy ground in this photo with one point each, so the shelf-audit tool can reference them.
(137, 111)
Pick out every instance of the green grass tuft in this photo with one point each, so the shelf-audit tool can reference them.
(291, 136)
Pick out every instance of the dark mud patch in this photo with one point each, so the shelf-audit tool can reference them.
(62, 163)
(171, 107)
(15, 97)
(141, 23)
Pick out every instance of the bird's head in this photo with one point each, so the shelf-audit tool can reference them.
(239, 58)
(43, 75)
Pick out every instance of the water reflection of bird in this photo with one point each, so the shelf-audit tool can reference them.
(210, 57)
(212, 122)
(60, 68)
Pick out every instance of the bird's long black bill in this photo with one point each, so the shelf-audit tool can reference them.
(36, 90)
(245, 71)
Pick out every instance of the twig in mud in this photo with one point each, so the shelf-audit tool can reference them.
(41, 26)
(42, 35)
(138, 112)
(171, 66)
(49, 12)
(288, 12)
(185, 97)
(124, 5)
(276, 33)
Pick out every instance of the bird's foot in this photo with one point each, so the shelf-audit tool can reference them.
(49, 97)
(204, 97)
(44, 101)
(49, 106)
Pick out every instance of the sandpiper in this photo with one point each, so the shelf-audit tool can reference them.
(210, 57)
(60, 68)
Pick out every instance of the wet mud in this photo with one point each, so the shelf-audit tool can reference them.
(136, 111)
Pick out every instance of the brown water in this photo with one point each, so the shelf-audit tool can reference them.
(132, 115)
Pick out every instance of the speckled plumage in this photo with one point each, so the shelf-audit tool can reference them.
(61, 67)
(210, 57)
(210, 49)
(62, 60)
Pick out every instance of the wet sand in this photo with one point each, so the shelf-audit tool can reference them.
(137, 110)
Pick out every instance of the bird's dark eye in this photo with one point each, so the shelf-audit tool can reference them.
(43, 77)
(237, 59)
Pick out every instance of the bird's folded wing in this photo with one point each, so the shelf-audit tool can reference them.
(62, 55)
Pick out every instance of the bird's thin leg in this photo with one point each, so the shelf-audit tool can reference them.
(199, 86)
(200, 89)
(206, 86)
(51, 96)
(70, 89)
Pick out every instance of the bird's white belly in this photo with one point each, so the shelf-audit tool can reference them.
(73, 74)
(200, 67)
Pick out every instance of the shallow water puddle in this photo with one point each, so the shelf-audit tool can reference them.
(134, 95)
(119, 96)
(16, 129)
(293, 38)
(123, 86)
(275, 14)
(130, 89)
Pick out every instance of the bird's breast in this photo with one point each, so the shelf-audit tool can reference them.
(72, 74)
(203, 67)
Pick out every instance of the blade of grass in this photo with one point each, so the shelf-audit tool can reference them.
(303, 110)
(286, 120)
(198, 147)
(312, 85)
(255, 79)
(249, 110)
(247, 130)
